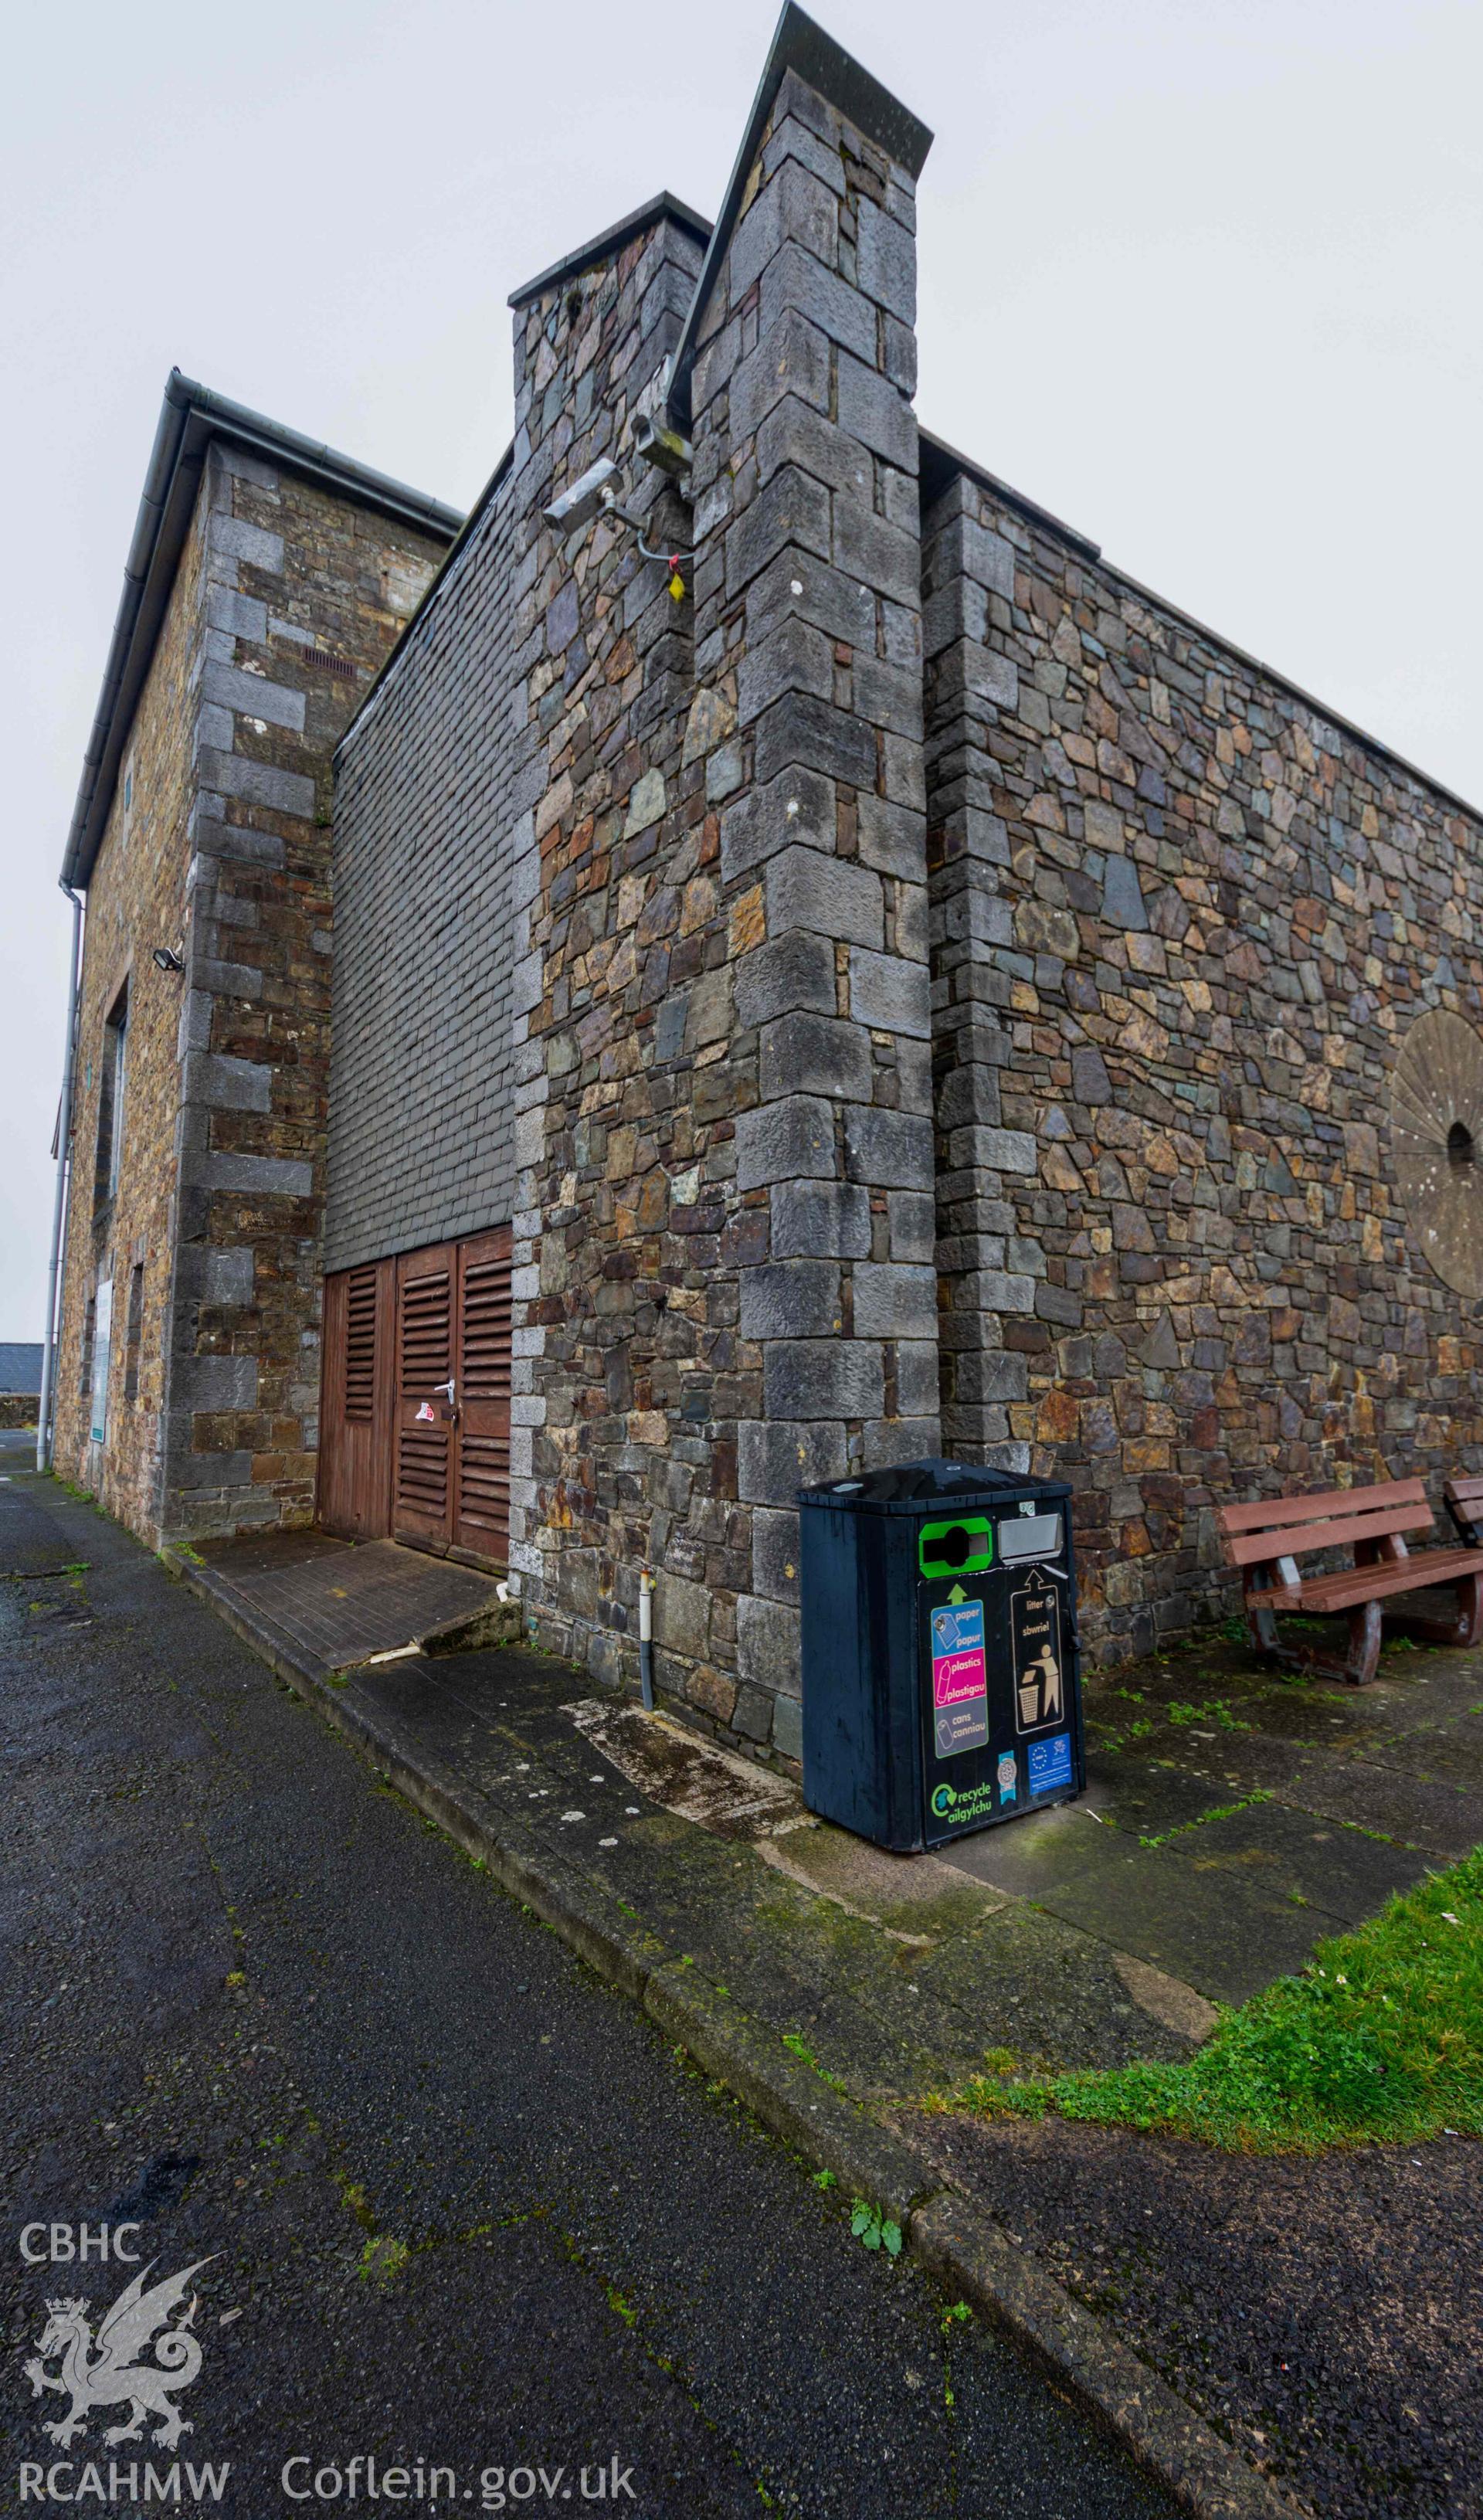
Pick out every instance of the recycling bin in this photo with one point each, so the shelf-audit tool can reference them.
(941, 1683)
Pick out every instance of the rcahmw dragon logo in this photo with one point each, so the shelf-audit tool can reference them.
(101, 2371)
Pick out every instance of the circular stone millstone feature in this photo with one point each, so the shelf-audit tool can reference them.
(1436, 1141)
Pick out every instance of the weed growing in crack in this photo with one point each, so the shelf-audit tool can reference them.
(872, 2227)
(1203, 1820)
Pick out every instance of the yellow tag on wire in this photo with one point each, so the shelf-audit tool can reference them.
(676, 586)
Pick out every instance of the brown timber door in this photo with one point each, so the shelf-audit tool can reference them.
(482, 1433)
(451, 1472)
(355, 1405)
(421, 1491)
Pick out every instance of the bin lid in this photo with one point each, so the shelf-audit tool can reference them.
(904, 1487)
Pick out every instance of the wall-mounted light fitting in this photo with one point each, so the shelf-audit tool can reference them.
(663, 447)
(168, 959)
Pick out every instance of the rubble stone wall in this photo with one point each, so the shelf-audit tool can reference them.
(1181, 924)
(624, 1450)
(136, 901)
(307, 590)
(725, 1133)
(287, 597)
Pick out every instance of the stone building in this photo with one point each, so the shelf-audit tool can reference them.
(266, 582)
(826, 969)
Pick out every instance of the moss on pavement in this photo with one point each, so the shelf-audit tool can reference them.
(1380, 2040)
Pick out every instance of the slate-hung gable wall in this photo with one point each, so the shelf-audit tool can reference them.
(1181, 926)
(509, 891)
(432, 811)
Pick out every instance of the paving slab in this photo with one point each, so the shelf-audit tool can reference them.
(1038, 1986)
(1428, 1686)
(1296, 1855)
(1222, 1929)
(1145, 1796)
(1442, 1754)
(1027, 1859)
(1254, 1761)
(1440, 1820)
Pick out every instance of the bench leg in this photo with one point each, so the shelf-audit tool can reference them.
(1463, 1628)
(1364, 1656)
(1358, 1665)
(1261, 1627)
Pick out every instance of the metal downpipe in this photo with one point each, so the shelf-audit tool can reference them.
(46, 1408)
(645, 1638)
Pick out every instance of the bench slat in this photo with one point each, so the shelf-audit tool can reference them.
(1326, 1505)
(1468, 1491)
(1349, 1585)
(1296, 1540)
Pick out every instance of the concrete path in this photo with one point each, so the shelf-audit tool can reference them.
(1233, 1817)
(462, 2204)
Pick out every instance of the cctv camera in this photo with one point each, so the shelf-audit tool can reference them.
(577, 506)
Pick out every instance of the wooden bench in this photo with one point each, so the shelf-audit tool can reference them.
(1265, 1541)
(1463, 1499)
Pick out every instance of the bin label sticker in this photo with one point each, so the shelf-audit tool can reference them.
(1035, 1636)
(963, 1810)
(962, 1727)
(1050, 1764)
(1009, 1777)
(960, 1679)
(958, 1666)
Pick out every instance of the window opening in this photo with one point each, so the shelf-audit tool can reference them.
(110, 1095)
(133, 1331)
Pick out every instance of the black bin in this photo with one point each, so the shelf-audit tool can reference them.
(941, 1683)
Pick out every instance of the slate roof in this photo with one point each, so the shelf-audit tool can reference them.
(21, 1365)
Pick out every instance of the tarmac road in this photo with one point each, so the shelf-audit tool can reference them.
(460, 2205)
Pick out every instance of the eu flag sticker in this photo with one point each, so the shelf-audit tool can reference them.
(1050, 1764)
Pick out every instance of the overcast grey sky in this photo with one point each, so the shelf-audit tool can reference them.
(1203, 276)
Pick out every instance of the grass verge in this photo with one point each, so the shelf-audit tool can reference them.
(1380, 2040)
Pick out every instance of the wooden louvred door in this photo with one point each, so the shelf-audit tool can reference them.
(451, 1466)
(356, 1400)
(360, 1347)
(423, 1464)
(481, 1436)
